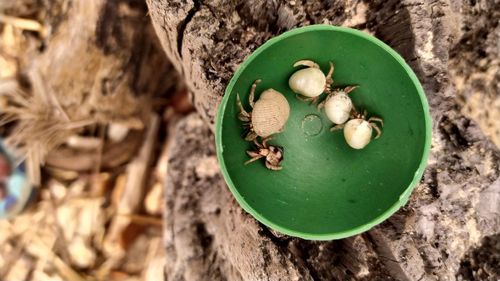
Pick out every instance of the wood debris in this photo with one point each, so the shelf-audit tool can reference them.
(86, 226)
(24, 24)
(94, 144)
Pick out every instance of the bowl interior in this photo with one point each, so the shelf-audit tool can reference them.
(326, 189)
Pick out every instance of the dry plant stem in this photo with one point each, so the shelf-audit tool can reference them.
(137, 170)
(25, 24)
(13, 257)
(42, 123)
(64, 269)
(113, 155)
(38, 84)
(133, 193)
(61, 243)
(145, 220)
(99, 152)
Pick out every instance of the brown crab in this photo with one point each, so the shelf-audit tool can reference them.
(273, 154)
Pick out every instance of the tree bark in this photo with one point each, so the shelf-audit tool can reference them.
(101, 59)
(454, 207)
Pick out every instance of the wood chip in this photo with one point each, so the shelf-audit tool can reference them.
(155, 261)
(21, 269)
(62, 174)
(118, 189)
(85, 143)
(82, 255)
(25, 24)
(64, 269)
(137, 171)
(117, 132)
(58, 191)
(100, 184)
(154, 199)
(133, 192)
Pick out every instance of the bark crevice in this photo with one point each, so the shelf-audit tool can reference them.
(181, 27)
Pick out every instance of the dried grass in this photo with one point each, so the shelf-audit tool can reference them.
(40, 123)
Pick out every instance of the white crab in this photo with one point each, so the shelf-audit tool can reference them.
(310, 82)
(358, 130)
(338, 105)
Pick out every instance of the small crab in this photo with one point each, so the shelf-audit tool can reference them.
(338, 105)
(310, 82)
(358, 130)
(268, 116)
(273, 154)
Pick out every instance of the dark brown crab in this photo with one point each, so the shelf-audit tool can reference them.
(273, 154)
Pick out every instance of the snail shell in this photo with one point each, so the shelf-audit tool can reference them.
(338, 108)
(357, 133)
(309, 82)
(270, 113)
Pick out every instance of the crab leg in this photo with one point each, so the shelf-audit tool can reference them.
(374, 126)
(329, 80)
(322, 104)
(273, 167)
(314, 100)
(264, 142)
(253, 159)
(251, 97)
(251, 136)
(376, 119)
(257, 144)
(354, 113)
(253, 154)
(302, 98)
(349, 89)
(243, 115)
(337, 127)
(309, 100)
(308, 63)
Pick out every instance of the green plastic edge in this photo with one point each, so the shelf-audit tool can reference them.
(403, 199)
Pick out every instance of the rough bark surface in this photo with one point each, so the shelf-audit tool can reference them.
(475, 66)
(114, 42)
(454, 207)
(209, 237)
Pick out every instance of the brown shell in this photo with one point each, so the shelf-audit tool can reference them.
(270, 113)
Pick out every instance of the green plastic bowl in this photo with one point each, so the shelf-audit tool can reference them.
(327, 190)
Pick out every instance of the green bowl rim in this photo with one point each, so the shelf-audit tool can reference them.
(403, 199)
